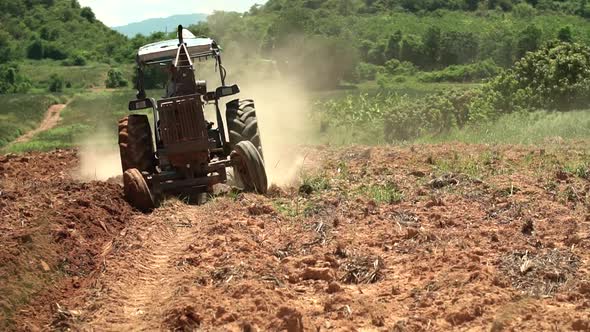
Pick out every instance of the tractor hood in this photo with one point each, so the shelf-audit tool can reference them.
(165, 51)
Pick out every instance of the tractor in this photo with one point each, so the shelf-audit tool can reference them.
(181, 153)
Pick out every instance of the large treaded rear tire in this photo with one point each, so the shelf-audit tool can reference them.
(242, 123)
(136, 144)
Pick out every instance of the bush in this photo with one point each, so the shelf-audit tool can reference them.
(557, 77)
(56, 83)
(12, 81)
(435, 114)
(463, 73)
(35, 50)
(401, 117)
(115, 79)
(75, 60)
(367, 71)
(396, 67)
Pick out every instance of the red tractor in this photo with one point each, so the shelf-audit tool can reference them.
(184, 154)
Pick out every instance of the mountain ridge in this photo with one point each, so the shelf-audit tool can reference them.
(161, 24)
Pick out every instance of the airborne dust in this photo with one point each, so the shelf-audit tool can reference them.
(282, 107)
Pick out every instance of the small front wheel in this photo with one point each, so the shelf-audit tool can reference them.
(136, 190)
(249, 167)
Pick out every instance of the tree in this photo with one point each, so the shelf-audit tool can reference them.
(5, 47)
(565, 34)
(376, 54)
(88, 14)
(35, 50)
(432, 44)
(56, 83)
(530, 40)
(393, 49)
(413, 50)
(115, 79)
(458, 48)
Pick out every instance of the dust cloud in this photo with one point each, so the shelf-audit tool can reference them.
(99, 157)
(282, 109)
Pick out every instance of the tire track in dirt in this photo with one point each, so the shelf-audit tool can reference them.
(136, 285)
(51, 119)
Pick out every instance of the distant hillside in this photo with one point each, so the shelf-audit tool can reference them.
(56, 29)
(159, 24)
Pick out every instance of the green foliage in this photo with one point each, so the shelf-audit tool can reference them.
(115, 79)
(56, 83)
(20, 113)
(36, 50)
(77, 59)
(367, 71)
(435, 114)
(557, 77)
(463, 73)
(56, 30)
(316, 182)
(565, 34)
(87, 13)
(388, 193)
(539, 127)
(88, 76)
(6, 47)
(12, 81)
(530, 40)
(86, 116)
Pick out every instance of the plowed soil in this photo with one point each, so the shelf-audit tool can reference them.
(449, 237)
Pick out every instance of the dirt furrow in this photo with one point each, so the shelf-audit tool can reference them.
(139, 279)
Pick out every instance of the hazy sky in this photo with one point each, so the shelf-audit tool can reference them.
(121, 12)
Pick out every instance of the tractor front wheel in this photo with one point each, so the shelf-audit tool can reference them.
(136, 190)
(249, 167)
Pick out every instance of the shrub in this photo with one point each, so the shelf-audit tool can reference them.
(557, 77)
(115, 79)
(463, 73)
(76, 59)
(12, 81)
(367, 71)
(56, 83)
(434, 114)
(35, 50)
(396, 67)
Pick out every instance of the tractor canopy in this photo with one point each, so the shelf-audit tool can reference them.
(165, 51)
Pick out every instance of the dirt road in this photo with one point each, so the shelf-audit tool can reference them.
(50, 120)
(377, 239)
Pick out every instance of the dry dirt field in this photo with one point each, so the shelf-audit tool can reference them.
(443, 237)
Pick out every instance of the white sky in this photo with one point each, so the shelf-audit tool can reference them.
(121, 12)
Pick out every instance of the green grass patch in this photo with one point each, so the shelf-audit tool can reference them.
(20, 113)
(87, 116)
(316, 182)
(79, 77)
(522, 128)
(388, 193)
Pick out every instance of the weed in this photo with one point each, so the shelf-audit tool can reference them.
(383, 194)
(316, 182)
(581, 170)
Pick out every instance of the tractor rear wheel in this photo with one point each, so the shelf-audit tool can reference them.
(242, 123)
(136, 144)
(136, 190)
(249, 167)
